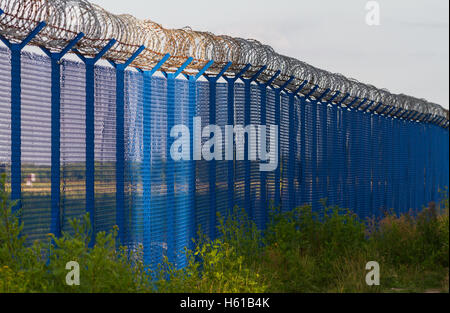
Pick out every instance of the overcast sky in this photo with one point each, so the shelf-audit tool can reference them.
(408, 53)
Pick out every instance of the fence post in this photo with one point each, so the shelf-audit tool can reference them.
(212, 166)
(247, 121)
(16, 119)
(55, 227)
(232, 164)
(120, 143)
(170, 166)
(90, 131)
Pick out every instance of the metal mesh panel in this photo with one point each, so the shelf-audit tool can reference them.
(5, 114)
(105, 148)
(36, 146)
(156, 210)
(239, 186)
(222, 165)
(365, 166)
(284, 151)
(182, 198)
(378, 179)
(255, 174)
(73, 141)
(134, 155)
(270, 120)
(298, 152)
(202, 166)
(308, 146)
(339, 159)
(322, 146)
(403, 177)
(389, 139)
(332, 156)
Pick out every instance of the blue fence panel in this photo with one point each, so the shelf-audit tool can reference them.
(339, 157)
(298, 153)
(309, 163)
(332, 156)
(239, 177)
(36, 146)
(182, 197)
(352, 161)
(255, 174)
(285, 149)
(322, 154)
(73, 142)
(156, 236)
(202, 166)
(222, 205)
(365, 177)
(135, 171)
(105, 148)
(270, 120)
(5, 113)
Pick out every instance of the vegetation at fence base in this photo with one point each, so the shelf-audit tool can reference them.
(300, 251)
(42, 267)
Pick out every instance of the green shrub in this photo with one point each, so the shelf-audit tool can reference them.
(225, 265)
(303, 247)
(103, 268)
(41, 267)
(414, 240)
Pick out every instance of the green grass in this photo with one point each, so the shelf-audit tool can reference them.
(298, 252)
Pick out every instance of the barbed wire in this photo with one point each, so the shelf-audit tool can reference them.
(67, 18)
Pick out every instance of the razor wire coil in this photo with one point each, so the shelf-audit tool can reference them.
(65, 19)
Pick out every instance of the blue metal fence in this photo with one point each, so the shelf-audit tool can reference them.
(82, 138)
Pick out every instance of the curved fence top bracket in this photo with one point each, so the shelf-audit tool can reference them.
(238, 75)
(286, 84)
(123, 66)
(336, 94)
(323, 95)
(216, 77)
(98, 56)
(179, 70)
(341, 102)
(24, 42)
(59, 55)
(156, 68)
(311, 92)
(255, 76)
(300, 88)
